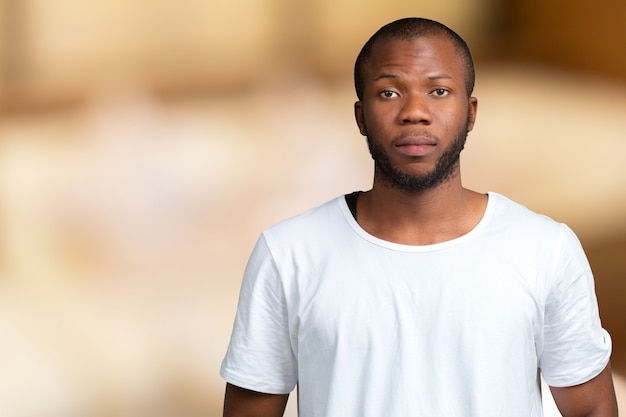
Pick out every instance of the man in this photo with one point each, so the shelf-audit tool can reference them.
(418, 297)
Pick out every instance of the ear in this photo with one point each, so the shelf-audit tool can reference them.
(358, 115)
(473, 109)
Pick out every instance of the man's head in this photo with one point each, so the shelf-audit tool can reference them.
(409, 29)
(414, 79)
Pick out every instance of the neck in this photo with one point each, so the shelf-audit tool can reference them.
(422, 217)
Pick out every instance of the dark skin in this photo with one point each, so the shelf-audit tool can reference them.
(595, 398)
(239, 402)
(414, 105)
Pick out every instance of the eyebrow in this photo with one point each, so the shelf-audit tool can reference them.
(439, 77)
(386, 75)
(430, 77)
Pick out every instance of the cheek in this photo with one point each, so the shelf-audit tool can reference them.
(456, 118)
(378, 117)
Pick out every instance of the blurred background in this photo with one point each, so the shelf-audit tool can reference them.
(145, 144)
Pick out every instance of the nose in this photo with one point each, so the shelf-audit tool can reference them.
(415, 110)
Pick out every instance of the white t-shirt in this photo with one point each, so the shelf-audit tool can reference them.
(367, 327)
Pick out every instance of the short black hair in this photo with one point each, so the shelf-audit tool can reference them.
(411, 28)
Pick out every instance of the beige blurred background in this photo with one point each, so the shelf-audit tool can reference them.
(144, 145)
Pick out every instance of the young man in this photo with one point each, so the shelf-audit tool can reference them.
(418, 297)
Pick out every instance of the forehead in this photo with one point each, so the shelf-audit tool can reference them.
(429, 53)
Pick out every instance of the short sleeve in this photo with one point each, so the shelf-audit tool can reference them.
(576, 347)
(259, 356)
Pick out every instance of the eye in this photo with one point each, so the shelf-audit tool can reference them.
(440, 92)
(388, 94)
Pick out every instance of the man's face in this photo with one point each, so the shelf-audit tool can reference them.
(415, 111)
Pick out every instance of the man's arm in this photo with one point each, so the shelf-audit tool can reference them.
(595, 398)
(240, 402)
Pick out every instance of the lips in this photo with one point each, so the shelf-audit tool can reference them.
(415, 145)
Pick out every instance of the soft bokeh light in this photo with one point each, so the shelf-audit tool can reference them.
(145, 145)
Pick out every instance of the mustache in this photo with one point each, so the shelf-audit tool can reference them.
(416, 133)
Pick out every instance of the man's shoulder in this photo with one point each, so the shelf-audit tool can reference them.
(517, 229)
(515, 214)
(312, 220)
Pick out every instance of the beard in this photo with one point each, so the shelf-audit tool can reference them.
(396, 178)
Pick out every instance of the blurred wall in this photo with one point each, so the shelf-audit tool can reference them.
(586, 35)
